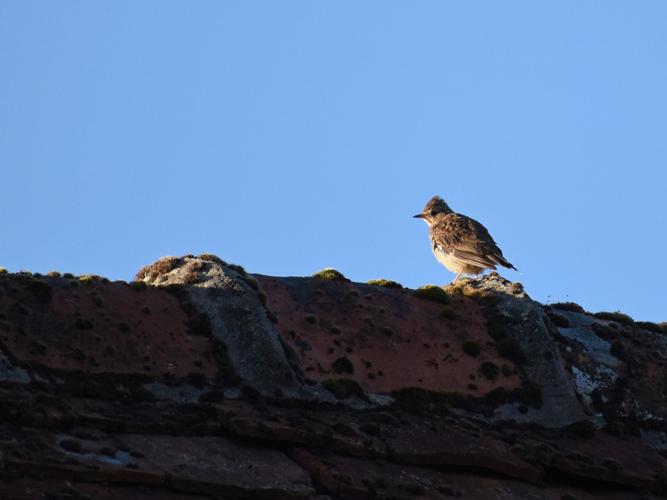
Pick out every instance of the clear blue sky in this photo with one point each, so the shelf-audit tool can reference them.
(291, 136)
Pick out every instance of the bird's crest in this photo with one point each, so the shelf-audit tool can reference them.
(436, 205)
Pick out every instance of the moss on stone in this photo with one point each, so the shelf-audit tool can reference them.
(385, 283)
(311, 318)
(238, 269)
(653, 327)
(271, 315)
(471, 348)
(510, 349)
(212, 258)
(559, 320)
(487, 299)
(617, 316)
(610, 333)
(330, 274)
(433, 293)
(568, 306)
(252, 282)
(343, 388)
(343, 365)
(158, 268)
(458, 287)
(138, 286)
(89, 278)
(489, 370)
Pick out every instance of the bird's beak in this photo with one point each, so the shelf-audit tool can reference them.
(418, 216)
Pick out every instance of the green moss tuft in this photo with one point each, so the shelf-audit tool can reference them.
(433, 293)
(212, 258)
(138, 286)
(252, 282)
(617, 316)
(568, 306)
(510, 349)
(559, 320)
(343, 388)
(311, 318)
(610, 333)
(3, 270)
(330, 274)
(385, 283)
(272, 316)
(160, 267)
(89, 278)
(238, 269)
(653, 327)
(471, 348)
(489, 370)
(343, 365)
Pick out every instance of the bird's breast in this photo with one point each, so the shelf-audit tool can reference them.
(449, 261)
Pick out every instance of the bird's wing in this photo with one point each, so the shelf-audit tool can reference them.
(467, 240)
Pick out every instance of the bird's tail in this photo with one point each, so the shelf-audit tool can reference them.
(504, 262)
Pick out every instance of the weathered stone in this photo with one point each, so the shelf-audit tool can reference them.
(197, 387)
(351, 478)
(214, 465)
(389, 338)
(9, 373)
(238, 320)
(524, 322)
(451, 445)
(102, 328)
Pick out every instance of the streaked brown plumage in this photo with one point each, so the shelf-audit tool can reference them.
(460, 243)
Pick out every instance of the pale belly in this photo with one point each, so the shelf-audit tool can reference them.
(453, 264)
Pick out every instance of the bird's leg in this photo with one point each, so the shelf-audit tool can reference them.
(458, 275)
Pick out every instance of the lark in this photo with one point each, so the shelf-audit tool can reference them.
(461, 244)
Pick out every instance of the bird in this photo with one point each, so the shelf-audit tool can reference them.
(460, 243)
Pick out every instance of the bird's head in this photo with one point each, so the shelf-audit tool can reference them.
(433, 208)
